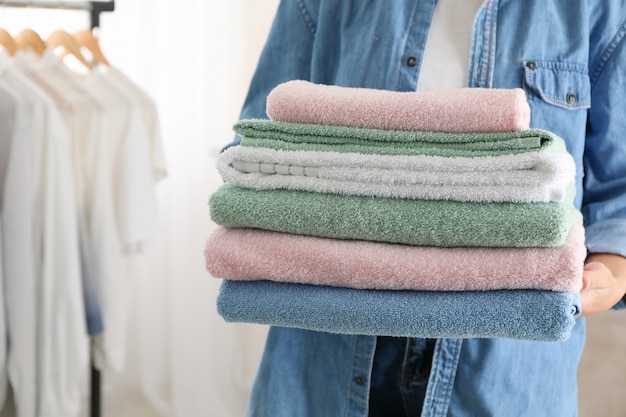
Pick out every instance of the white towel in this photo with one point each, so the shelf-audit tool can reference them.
(525, 177)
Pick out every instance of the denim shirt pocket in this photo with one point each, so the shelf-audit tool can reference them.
(562, 84)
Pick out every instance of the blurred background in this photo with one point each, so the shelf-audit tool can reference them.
(195, 58)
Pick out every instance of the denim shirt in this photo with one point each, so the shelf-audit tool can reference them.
(570, 58)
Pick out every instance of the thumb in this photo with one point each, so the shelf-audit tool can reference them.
(589, 271)
(594, 266)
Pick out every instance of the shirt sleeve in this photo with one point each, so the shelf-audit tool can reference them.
(286, 56)
(135, 197)
(604, 200)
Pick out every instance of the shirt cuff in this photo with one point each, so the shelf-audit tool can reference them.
(621, 305)
(608, 236)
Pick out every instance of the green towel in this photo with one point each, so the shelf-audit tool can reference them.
(413, 222)
(297, 136)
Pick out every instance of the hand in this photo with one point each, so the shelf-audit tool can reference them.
(604, 282)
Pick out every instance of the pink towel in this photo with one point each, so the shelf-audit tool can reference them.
(250, 254)
(461, 110)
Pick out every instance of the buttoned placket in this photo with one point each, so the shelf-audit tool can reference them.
(358, 392)
(408, 66)
(417, 32)
(447, 351)
(480, 74)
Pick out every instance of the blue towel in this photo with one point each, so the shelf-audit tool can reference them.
(517, 314)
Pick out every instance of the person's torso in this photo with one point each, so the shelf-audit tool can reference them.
(554, 51)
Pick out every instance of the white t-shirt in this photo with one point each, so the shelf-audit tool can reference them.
(13, 139)
(63, 346)
(4, 380)
(133, 184)
(135, 202)
(446, 55)
(150, 117)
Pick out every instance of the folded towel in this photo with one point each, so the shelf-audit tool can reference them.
(517, 314)
(308, 137)
(413, 222)
(251, 254)
(461, 110)
(525, 177)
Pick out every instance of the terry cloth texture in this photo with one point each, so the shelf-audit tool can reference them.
(524, 177)
(459, 110)
(413, 222)
(309, 137)
(286, 257)
(517, 314)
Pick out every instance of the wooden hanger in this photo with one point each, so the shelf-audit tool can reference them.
(28, 38)
(60, 38)
(8, 42)
(86, 38)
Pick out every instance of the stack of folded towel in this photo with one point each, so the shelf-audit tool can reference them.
(363, 211)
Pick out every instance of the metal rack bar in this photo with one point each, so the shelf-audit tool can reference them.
(95, 396)
(93, 7)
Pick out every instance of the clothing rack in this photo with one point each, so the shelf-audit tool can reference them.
(94, 8)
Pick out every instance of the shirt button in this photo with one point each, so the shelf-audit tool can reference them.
(530, 65)
(359, 380)
(571, 98)
(411, 61)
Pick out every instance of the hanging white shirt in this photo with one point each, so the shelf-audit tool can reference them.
(20, 257)
(134, 193)
(5, 149)
(4, 379)
(87, 121)
(63, 357)
(150, 116)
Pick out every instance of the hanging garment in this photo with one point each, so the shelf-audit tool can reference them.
(136, 216)
(28, 64)
(150, 116)
(4, 378)
(21, 259)
(130, 154)
(123, 213)
(80, 187)
(63, 349)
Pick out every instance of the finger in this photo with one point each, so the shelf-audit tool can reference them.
(594, 266)
(596, 276)
(598, 293)
(591, 277)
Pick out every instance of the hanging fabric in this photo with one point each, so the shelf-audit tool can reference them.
(80, 153)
